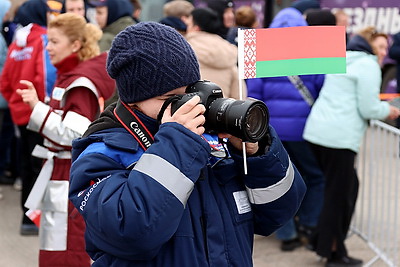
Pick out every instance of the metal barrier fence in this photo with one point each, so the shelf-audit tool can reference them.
(376, 219)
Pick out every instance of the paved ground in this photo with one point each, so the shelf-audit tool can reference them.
(22, 251)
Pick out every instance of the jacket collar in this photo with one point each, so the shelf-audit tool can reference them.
(67, 64)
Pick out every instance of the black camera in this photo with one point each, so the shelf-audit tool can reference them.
(245, 119)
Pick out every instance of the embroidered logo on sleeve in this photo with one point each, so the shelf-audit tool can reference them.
(89, 192)
(242, 202)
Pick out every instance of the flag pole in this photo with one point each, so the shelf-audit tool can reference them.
(240, 67)
(243, 143)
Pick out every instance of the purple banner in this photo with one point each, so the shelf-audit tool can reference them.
(383, 14)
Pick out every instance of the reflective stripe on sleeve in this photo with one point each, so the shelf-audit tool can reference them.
(167, 175)
(272, 192)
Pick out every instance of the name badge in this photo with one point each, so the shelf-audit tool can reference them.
(58, 93)
(242, 202)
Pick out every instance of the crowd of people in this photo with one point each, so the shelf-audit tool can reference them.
(118, 176)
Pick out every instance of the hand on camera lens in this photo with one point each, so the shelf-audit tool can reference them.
(189, 115)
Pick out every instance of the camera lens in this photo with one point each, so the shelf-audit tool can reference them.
(254, 118)
(246, 119)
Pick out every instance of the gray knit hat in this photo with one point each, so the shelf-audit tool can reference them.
(150, 59)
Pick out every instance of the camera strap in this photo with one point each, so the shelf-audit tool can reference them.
(165, 105)
(133, 124)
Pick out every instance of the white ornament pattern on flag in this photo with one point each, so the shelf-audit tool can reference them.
(249, 54)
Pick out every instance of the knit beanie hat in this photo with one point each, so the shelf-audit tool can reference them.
(149, 59)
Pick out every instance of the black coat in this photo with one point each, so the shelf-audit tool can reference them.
(394, 53)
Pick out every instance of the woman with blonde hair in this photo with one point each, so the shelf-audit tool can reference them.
(82, 81)
(335, 128)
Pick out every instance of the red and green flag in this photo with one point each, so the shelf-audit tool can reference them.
(291, 51)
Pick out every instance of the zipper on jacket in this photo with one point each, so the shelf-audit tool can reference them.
(202, 177)
(203, 223)
(203, 220)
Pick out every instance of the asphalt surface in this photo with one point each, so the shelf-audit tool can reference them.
(22, 251)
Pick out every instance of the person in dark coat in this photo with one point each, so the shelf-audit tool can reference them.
(226, 15)
(394, 53)
(112, 16)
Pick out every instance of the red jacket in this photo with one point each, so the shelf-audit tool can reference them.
(27, 59)
(73, 105)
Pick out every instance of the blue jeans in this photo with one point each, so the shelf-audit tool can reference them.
(303, 158)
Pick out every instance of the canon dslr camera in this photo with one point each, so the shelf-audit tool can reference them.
(245, 119)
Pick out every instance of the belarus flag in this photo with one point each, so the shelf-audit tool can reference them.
(291, 51)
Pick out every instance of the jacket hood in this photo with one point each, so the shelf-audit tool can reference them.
(174, 22)
(353, 56)
(288, 17)
(118, 9)
(32, 11)
(30, 31)
(95, 70)
(118, 25)
(212, 50)
(358, 43)
(107, 120)
(219, 7)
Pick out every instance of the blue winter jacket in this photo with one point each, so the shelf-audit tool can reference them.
(287, 108)
(176, 204)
